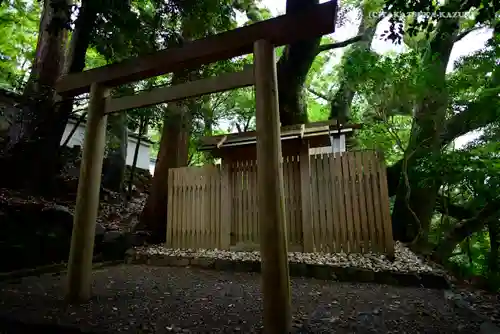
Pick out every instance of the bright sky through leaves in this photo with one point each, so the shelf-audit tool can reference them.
(472, 42)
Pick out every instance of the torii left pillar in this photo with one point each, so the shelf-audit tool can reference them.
(87, 200)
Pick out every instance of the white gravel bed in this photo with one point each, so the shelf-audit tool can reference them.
(405, 260)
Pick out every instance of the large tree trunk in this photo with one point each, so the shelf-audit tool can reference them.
(115, 163)
(173, 153)
(292, 68)
(340, 106)
(41, 125)
(31, 136)
(50, 49)
(75, 58)
(293, 65)
(417, 189)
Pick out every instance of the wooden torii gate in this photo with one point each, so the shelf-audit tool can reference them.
(259, 38)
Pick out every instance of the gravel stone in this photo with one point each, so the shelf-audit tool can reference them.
(146, 299)
(405, 260)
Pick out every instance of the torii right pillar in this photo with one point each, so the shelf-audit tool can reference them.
(271, 203)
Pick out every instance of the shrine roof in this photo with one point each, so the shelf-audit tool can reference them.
(300, 131)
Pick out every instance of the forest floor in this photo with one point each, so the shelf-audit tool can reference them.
(147, 299)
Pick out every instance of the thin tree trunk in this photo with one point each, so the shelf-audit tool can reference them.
(142, 127)
(115, 163)
(208, 123)
(494, 255)
(469, 254)
(75, 127)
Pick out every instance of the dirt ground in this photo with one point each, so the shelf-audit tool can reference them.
(145, 299)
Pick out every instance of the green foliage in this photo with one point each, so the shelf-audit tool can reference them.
(239, 109)
(19, 26)
(483, 12)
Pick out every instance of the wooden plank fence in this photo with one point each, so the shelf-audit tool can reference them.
(216, 206)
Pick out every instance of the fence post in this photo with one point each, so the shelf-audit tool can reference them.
(384, 200)
(305, 196)
(225, 215)
(170, 209)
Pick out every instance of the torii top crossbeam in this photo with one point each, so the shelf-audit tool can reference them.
(282, 30)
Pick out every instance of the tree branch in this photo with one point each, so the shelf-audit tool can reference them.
(466, 32)
(337, 45)
(466, 228)
(347, 42)
(318, 94)
(479, 113)
(75, 127)
(474, 117)
(445, 206)
(238, 127)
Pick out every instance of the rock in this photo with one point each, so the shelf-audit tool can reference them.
(203, 262)
(223, 265)
(320, 271)
(179, 261)
(298, 269)
(57, 213)
(99, 230)
(488, 327)
(247, 266)
(130, 252)
(73, 171)
(112, 236)
(35, 233)
(61, 215)
(132, 221)
(138, 238)
(116, 243)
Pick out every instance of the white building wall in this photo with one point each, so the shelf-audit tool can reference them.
(142, 156)
(152, 165)
(77, 140)
(338, 146)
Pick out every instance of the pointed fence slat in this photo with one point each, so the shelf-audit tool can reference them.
(216, 206)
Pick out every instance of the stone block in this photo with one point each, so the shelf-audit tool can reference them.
(225, 265)
(203, 262)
